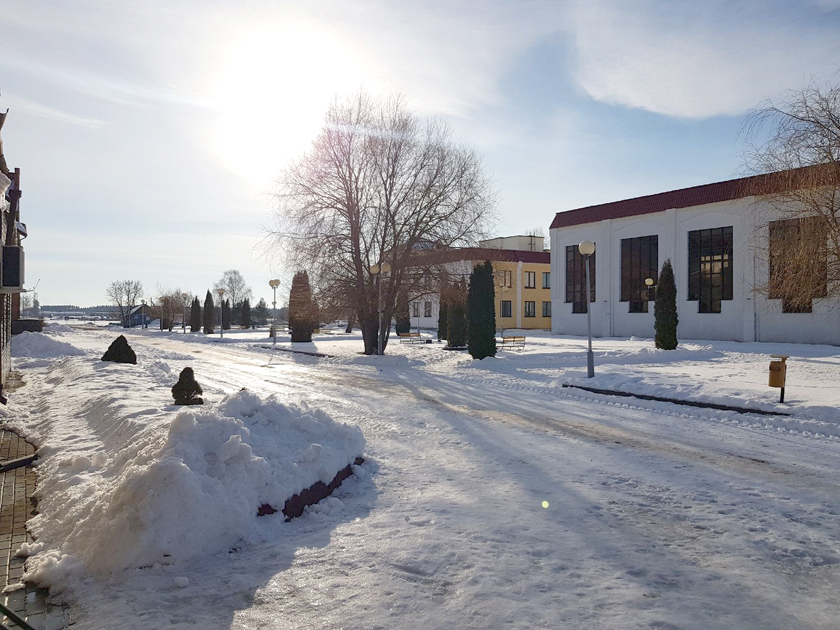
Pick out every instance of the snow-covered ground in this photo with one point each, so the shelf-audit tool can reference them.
(491, 496)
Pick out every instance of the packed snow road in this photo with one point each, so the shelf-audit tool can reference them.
(499, 500)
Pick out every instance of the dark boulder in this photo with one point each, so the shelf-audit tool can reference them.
(120, 352)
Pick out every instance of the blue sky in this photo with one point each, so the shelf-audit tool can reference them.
(148, 134)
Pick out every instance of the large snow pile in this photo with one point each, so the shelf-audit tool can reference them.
(165, 497)
(39, 346)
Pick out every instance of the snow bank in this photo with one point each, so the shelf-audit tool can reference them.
(193, 491)
(40, 346)
(57, 329)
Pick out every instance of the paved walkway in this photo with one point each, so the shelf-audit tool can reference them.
(16, 507)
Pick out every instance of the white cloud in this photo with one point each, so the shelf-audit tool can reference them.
(25, 107)
(694, 60)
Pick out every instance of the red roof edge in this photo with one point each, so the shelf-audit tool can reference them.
(483, 253)
(728, 190)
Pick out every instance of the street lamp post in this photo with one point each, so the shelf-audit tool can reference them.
(378, 270)
(143, 302)
(274, 284)
(587, 248)
(221, 292)
(184, 297)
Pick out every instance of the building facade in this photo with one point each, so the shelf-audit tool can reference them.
(713, 236)
(522, 278)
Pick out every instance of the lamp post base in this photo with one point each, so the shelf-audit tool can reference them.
(590, 365)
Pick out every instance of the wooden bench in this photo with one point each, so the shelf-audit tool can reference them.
(410, 337)
(513, 343)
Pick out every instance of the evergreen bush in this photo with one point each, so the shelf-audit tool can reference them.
(457, 325)
(246, 313)
(443, 318)
(401, 314)
(481, 308)
(120, 352)
(209, 314)
(302, 316)
(665, 309)
(195, 315)
(226, 314)
(186, 391)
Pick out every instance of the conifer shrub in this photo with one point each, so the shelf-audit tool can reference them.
(246, 313)
(209, 314)
(665, 309)
(401, 315)
(226, 314)
(187, 391)
(481, 301)
(443, 318)
(457, 325)
(195, 315)
(120, 352)
(302, 311)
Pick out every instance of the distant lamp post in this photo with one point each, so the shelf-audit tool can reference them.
(221, 293)
(587, 248)
(143, 302)
(274, 284)
(184, 297)
(378, 270)
(649, 282)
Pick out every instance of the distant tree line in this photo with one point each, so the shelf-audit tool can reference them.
(173, 307)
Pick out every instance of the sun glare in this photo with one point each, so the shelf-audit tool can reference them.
(273, 93)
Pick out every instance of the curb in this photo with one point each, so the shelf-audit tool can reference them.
(677, 401)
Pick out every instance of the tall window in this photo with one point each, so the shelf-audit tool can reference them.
(506, 308)
(798, 263)
(639, 260)
(576, 278)
(530, 309)
(530, 279)
(427, 309)
(415, 309)
(507, 279)
(710, 267)
(546, 280)
(546, 309)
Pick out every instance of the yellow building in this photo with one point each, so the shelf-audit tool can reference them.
(523, 282)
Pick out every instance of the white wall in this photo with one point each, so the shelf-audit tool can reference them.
(749, 316)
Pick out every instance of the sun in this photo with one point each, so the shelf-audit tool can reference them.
(272, 95)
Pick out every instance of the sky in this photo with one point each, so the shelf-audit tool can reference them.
(150, 135)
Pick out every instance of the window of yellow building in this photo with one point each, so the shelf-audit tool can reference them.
(530, 279)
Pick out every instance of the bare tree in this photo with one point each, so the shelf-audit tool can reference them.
(236, 289)
(378, 185)
(169, 307)
(124, 295)
(795, 150)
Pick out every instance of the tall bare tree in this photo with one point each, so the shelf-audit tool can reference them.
(169, 307)
(796, 145)
(378, 185)
(236, 289)
(124, 294)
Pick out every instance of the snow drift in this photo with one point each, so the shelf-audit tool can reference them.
(40, 346)
(191, 491)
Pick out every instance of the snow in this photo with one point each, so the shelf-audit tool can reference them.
(39, 346)
(491, 496)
